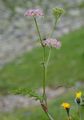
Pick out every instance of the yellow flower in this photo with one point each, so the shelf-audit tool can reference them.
(78, 95)
(66, 105)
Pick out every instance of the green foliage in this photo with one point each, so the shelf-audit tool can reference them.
(35, 113)
(81, 5)
(25, 91)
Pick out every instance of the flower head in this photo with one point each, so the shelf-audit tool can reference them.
(52, 43)
(57, 12)
(34, 12)
(66, 105)
(78, 97)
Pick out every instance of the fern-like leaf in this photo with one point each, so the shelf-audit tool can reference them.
(25, 91)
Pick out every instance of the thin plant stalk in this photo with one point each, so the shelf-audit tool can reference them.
(49, 116)
(44, 74)
(79, 112)
(47, 62)
(53, 29)
(38, 31)
(68, 114)
(44, 68)
(44, 71)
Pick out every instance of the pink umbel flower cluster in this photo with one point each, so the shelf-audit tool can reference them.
(34, 12)
(52, 43)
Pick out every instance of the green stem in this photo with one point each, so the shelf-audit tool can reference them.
(38, 31)
(53, 29)
(45, 65)
(79, 112)
(44, 69)
(47, 62)
(46, 110)
(44, 76)
(49, 116)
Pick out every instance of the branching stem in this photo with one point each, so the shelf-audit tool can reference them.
(45, 64)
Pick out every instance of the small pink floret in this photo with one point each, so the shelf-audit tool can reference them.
(34, 12)
(52, 43)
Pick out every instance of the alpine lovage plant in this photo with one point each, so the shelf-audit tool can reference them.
(48, 42)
